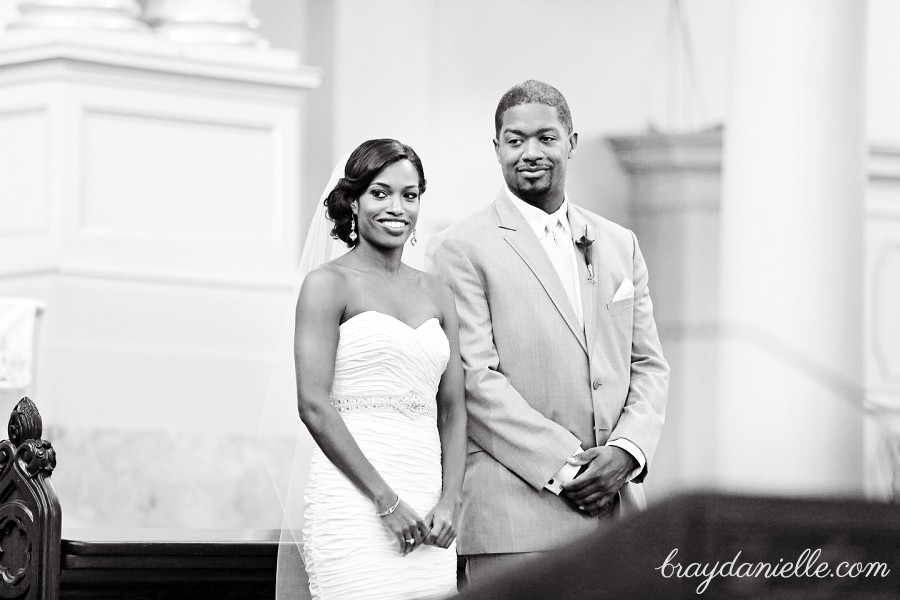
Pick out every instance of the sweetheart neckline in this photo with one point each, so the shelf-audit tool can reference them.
(393, 318)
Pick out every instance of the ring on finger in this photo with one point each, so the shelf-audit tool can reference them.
(410, 541)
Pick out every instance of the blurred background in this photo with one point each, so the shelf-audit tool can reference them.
(160, 161)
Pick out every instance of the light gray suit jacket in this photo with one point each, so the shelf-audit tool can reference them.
(537, 385)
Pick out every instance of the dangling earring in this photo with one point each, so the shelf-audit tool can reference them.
(352, 228)
(413, 241)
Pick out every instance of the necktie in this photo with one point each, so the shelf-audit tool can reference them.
(558, 244)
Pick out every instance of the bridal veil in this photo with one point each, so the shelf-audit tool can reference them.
(281, 404)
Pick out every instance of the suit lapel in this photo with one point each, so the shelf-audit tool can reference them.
(522, 239)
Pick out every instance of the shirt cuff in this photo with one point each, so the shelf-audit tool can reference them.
(633, 450)
(566, 474)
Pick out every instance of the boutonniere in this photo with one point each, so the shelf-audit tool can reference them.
(584, 244)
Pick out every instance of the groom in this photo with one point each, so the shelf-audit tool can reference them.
(565, 379)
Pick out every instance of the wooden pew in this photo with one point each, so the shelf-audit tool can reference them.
(170, 564)
(30, 517)
(37, 564)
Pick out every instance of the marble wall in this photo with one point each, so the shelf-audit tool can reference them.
(108, 478)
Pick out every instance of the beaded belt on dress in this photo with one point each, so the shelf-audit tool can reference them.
(410, 404)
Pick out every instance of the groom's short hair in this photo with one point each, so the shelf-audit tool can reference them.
(533, 91)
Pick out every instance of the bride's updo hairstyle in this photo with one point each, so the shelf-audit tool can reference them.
(368, 160)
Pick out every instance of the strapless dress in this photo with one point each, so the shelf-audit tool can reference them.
(385, 382)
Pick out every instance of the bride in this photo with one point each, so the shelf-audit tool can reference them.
(380, 389)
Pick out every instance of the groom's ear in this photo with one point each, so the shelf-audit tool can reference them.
(497, 149)
(573, 142)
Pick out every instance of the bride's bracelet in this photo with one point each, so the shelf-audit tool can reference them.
(391, 509)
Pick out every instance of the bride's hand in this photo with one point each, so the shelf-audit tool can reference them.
(407, 526)
(442, 521)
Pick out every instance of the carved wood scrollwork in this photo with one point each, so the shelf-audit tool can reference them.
(36, 456)
(30, 515)
(25, 428)
(25, 422)
(16, 527)
(7, 454)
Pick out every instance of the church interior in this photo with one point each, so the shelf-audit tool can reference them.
(160, 161)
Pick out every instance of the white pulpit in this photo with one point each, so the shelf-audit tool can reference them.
(149, 194)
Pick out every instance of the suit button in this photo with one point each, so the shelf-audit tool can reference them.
(596, 384)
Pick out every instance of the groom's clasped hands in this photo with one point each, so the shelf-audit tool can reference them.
(604, 471)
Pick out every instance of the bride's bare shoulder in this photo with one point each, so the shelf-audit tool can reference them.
(326, 283)
(321, 275)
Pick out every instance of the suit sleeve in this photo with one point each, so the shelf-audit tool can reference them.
(500, 420)
(642, 418)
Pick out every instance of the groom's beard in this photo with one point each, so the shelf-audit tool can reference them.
(538, 190)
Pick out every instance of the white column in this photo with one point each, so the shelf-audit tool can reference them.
(113, 15)
(676, 191)
(205, 21)
(789, 408)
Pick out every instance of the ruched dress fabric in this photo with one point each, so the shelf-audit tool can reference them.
(385, 383)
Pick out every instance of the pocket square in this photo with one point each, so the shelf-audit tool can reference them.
(626, 290)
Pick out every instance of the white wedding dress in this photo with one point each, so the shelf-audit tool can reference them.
(385, 381)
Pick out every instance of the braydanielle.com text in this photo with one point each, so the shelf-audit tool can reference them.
(806, 565)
